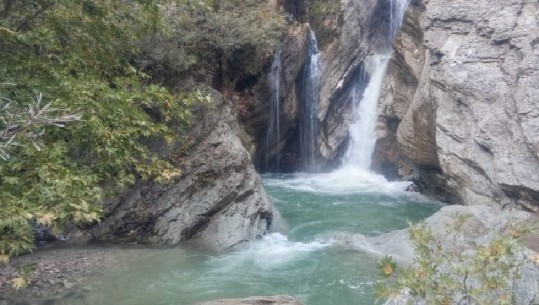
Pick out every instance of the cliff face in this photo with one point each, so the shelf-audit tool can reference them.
(362, 30)
(219, 200)
(463, 88)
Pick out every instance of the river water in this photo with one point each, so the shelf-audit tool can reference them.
(305, 258)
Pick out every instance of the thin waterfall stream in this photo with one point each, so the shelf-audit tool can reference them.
(305, 256)
(273, 133)
(309, 105)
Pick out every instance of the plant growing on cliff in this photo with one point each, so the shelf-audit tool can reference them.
(77, 113)
(322, 17)
(208, 40)
(450, 270)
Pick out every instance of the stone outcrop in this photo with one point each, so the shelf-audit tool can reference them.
(218, 200)
(481, 225)
(275, 300)
(463, 88)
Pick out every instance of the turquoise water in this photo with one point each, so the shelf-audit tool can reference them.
(304, 259)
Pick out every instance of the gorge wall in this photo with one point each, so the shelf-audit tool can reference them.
(347, 34)
(218, 200)
(459, 114)
(459, 111)
(460, 104)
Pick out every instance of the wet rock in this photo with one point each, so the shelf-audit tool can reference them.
(479, 228)
(468, 72)
(275, 300)
(342, 62)
(257, 113)
(218, 200)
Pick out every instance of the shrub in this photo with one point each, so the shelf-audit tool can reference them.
(451, 270)
(72, 59)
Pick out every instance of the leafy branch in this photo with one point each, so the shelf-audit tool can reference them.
(29, 124)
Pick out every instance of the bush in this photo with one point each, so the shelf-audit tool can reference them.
(76, 58)
(451, 270)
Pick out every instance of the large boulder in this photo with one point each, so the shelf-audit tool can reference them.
(468, 70)
(481, 225)
(218, 200)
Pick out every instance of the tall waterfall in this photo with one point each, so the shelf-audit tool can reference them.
(309, 104)
(273, 133)
(362, 131)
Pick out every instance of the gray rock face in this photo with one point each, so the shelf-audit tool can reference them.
(472, 126)
(256, 114)
(342, 61)
(275, 300)
(478, 229)
(218, 200)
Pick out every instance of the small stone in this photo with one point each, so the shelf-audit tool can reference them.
(68, 285)
(87, 289)
(52, 281)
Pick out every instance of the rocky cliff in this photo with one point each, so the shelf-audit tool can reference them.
(347, 33)
(219, 200)
(460, 102)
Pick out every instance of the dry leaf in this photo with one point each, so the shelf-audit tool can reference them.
(4, 259)
(47, 219)
(19, 283)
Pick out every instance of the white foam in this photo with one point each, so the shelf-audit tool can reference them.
(362, 131)
(346, 180)
(272, 251)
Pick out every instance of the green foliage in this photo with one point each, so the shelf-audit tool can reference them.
(322, 17)
(450, 270)
(78, 56)
(213, 39)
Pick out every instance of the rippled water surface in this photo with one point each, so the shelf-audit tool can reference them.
(304, 259)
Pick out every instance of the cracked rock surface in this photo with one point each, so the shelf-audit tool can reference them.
(218, 200)
(467, 73)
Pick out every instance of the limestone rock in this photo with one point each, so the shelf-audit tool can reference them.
(342, 61)
(274, 300)
(218, 200)
(472, 127)
(479, 228)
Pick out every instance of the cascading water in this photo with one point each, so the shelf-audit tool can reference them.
(273, 133)
(309, 104)
(397, 10)
(362, 131)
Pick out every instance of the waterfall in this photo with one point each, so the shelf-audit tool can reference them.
(396, 16)
(273, 133)
(309, 105)
(362, 130)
